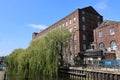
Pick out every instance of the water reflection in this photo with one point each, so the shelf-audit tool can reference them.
(38, 77)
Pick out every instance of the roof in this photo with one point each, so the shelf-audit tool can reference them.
(106, 23)
(91, 10)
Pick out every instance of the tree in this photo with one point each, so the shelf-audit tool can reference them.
(42, 55)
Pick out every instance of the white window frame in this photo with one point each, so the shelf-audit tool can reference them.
(74, 19)
(66, 23)
(112, 31)
(75, 28)
(70, 22)
(63, 25)
(113, 45)
(75, 47)
(100, 34)
(75, 37)
(70, 29)
(101, 46)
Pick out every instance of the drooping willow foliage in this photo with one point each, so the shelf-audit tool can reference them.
(42, 55)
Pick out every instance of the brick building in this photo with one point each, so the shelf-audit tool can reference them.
(107, 37)
(81, 23)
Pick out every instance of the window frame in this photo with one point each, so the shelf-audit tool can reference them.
(83, 19)
(112, 31)
(101, 45)
(113, 45)
(100, 34)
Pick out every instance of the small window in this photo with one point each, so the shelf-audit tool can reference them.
(66, 23)
(75, 28)
(75, 38)
(75, 47)
(83, 19)
(83, 12)
(113, 45)
(83, 27)
(98, 23)
(70, 22)
(101, 46)
(74, 19)
(84, 37)
(70, 29)
(84, 46)
(70, 47)
(63, 24)
(98, 17)
(100, 34)
(112, 31)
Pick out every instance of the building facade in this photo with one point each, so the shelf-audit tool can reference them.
(81, 24)
(107, 37)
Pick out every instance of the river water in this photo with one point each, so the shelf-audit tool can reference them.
(39, 77)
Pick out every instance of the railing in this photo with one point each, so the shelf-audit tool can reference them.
(103, 68)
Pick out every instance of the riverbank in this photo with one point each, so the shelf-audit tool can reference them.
(2, 75)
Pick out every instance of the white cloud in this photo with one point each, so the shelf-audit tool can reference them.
(102, 5)
(38, 26)
(5, 52)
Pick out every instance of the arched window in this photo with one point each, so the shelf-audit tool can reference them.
(113, 45)
(101, 46)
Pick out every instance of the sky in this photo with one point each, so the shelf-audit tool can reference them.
(20, 18)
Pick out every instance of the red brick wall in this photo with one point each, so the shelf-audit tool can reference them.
(107, 38)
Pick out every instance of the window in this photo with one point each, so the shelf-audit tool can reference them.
(98, 17)
(84, 37)
(66, 23)
(75, 38)
(83, 12)
(98, 23)
(63, 24)
(101, 46)
(83, 19)
(84, 46)
(75, 47)
(70, 29)
(70, 47)
(113, 45)
(100, 34)
(83, 27)
(112, 31)
(74, 19)
(70, 22)
(75, 28)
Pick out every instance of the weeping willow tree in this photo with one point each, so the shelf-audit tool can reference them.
(42, 55)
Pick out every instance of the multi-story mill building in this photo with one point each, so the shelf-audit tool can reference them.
(81, 23)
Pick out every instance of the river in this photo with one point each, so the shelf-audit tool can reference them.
(39, 77)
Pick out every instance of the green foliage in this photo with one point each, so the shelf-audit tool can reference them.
(42, 54)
